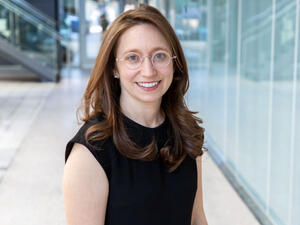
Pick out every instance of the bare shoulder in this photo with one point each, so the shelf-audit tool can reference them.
(85, 187)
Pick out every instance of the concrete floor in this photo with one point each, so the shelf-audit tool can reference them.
(31, 169)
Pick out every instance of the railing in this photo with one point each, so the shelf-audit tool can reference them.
(24, 5)
(36, 38)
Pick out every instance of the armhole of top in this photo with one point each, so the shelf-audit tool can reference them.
(101, 155)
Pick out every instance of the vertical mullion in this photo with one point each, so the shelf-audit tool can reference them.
(238, 74)
(226, 79)
(293, 120)
(208, 35)
(82, 31)
(270, 115)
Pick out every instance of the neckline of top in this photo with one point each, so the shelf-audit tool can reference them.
(133, 123)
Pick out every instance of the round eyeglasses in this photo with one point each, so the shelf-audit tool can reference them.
(134, 60)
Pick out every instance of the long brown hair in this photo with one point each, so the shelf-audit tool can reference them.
(103, 92)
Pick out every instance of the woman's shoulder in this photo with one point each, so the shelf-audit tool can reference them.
(84, 179)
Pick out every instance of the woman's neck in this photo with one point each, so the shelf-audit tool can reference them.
(146, 114)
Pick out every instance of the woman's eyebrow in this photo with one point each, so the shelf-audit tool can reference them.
(160, 48)
(139, 51)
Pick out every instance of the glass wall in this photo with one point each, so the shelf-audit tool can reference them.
(250, 100)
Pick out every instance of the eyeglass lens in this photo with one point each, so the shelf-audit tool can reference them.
(158, 59)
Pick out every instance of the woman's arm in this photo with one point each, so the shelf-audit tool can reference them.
(85, 188)
(198, 215)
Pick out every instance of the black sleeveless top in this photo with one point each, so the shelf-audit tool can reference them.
(143, 193)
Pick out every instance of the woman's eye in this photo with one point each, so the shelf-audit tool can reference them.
(160, 56)
(132, 58)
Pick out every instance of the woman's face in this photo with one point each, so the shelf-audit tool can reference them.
(144, 65)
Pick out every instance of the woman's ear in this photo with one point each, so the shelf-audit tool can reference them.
(116, 73)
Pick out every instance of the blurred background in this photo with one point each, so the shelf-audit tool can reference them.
(243, 59)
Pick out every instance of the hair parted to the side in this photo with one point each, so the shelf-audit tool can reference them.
(103, 93)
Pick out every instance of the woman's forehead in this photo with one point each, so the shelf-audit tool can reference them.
(142, 37)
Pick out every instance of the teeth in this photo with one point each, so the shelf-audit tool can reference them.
(152, 84)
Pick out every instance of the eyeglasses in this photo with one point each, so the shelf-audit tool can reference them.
(134, 60)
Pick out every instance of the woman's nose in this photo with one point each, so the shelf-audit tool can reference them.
(147, 67)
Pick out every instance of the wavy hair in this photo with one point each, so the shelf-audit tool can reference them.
(103, 93)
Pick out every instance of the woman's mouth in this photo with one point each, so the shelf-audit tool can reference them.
(148, 86)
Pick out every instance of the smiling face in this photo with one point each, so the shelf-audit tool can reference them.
(146, 83)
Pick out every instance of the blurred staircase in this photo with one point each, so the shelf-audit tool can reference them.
(28, 37)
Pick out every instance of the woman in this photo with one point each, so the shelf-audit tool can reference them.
(137, 158)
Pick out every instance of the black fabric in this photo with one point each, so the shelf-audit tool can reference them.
(143, 193)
